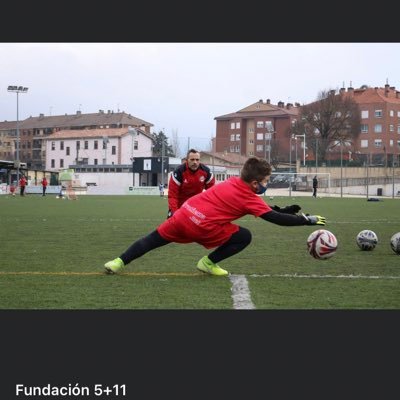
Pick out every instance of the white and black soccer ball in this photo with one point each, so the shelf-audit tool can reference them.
(395, 243)
(367, 240)
(322, 244)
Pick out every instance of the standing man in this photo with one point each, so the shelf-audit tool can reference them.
(44, 186)
(22, 184)
(190, 178)
(161, 189)
(315, 186)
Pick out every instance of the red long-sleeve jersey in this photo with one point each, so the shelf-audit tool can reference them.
(185, 183)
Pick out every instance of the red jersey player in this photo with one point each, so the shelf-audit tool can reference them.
(189, 179)
(207, 219)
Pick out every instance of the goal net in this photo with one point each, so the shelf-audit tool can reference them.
(298, 184)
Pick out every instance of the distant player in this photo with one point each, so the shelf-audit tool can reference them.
(189, 179)
(44, 186)
(207, 218)
(22, 184)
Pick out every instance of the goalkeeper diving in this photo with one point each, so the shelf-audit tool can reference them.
(206, 219)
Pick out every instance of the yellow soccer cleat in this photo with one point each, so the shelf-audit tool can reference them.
(207, 266)
(114, 266)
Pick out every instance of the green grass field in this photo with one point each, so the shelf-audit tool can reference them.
(53, 252)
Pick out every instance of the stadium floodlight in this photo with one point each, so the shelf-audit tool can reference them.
(18, 90)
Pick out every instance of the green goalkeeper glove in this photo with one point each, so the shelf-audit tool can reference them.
(314, 219)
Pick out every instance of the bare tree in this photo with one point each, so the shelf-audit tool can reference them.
(332, 120)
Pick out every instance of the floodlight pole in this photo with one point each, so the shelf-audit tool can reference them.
(341, 168)
(162, 160)
(290, 164)
(17, 90)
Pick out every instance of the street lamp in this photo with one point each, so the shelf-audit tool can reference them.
(270, 129)
(18, 90)
(304, 148)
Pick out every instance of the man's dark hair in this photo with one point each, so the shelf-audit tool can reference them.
(255, 169)
(191, 151)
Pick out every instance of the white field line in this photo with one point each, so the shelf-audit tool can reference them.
(316, 276)
(241, 293)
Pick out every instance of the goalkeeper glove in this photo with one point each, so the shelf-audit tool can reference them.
(170, 213)
(288, 209)
(314, 219)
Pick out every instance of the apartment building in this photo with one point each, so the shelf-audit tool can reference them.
(379, 139)
(95, 148)
(7, 135)
(33, 131)
(261, 129)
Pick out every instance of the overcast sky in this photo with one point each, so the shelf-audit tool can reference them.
(182, 87)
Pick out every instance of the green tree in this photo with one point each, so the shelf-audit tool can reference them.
(159, 139)
(331, 121)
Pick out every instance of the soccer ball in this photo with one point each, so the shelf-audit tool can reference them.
(367, 240)
(395, 243)
(322, 244)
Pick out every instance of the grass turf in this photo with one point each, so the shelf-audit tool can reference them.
(53, 252)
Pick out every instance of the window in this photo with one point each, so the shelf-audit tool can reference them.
(391, 113)
(259, 147)
(96, 145)
(260, 124)
(67, 151)
(104, 144)
(237, 148)
(260, 136)
(378, 128)
(364, 143)
(391, 141)
(86, 145)
(61, 163)
(95, 161)
(251, 141)
(391, 128)
(53, 163)
(232, 137)
(251, 130)
(113, 150)
(378, 142)
(232, 149)
(398, 143)
(378, 113)
(398, 114)
(135, 145)
(62, 145)
(53, 145)
(232, 125)
(238, 136)
(237, 125)
(398, 128)
(364, 128)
